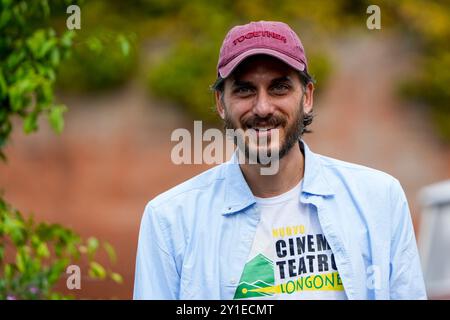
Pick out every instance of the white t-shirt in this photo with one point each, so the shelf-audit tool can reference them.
(290, 257)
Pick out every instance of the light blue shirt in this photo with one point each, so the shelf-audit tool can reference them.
(195, 238)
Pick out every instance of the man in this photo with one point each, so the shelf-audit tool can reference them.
(318, 228)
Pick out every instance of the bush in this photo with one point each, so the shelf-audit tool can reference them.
(104, 56)
(31, 53)
(427, 23)
(34, 256)
(39, 254)
(102, 61)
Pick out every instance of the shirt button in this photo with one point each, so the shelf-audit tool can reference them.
(233, 281)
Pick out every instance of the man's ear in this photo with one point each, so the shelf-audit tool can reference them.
(309, 98)
(219, 104)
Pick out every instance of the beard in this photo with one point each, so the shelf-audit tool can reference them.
(293, 132)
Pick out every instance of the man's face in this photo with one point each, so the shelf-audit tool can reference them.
(262, 96)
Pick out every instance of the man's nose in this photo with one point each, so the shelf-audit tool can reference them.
(263, 106)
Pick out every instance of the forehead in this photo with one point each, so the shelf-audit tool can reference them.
(261, 66)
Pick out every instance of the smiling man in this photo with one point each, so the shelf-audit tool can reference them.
(317, 228)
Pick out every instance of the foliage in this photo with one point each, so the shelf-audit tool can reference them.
(428, 23)
(31, 53)
(104, 55)
(39, 255)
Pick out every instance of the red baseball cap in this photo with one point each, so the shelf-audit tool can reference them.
(273, 38)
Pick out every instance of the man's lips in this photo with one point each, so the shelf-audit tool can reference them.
(263, 126)
(263, 130)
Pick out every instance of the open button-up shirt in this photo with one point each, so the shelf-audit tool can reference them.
(195, 238)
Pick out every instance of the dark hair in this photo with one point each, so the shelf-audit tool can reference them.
(305, 79)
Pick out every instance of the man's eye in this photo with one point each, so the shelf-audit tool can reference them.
(280, 88)
(243, 90)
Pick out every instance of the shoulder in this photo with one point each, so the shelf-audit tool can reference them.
(179, 194)
(355, 172)
(365, 182)
(170, 213)
(376, 195)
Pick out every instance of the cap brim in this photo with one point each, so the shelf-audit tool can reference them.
(226, 70)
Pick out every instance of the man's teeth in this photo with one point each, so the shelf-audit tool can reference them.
(263, 129)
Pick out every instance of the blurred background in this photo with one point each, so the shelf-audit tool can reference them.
(139, 69)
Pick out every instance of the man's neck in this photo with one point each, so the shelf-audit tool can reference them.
(291, 170)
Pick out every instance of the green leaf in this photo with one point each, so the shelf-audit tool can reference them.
(9, 271)
(5, 17)
(15, 58)
(56, 270)
(35, 241)
(3, 86)
(116, 277)
(124, 45)
(110, 251)
(30, 123)
(46, 47)
(42, 250)
(56, 119)
(66, 39)
(96, 270)
(15, 229)
(36, 42)
(92, 246)
(94, 44)
(45, 92)
(20, 262)
(59, 296)
(55, 57)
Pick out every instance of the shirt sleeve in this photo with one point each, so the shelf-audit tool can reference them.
(406, 279)
(156, 275)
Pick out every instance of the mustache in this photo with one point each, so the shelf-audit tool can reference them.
(273, 120)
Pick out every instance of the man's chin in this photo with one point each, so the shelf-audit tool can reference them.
(262, 155)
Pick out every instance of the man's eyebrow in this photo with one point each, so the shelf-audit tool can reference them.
(241, 83)
(281, 79)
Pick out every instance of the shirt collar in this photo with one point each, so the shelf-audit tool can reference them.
(314, 179)
(238, 195)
